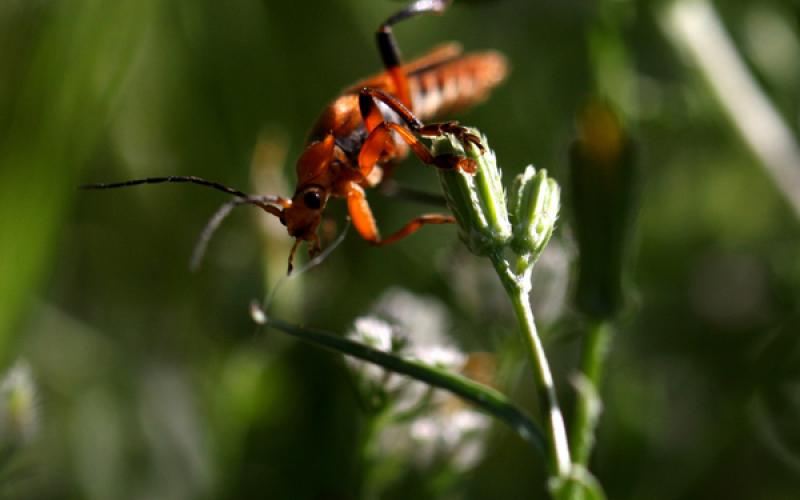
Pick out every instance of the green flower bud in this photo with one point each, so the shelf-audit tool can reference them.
(534, 203)
(477, 200)
(603, 178)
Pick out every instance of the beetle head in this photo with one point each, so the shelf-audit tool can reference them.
(303, 214)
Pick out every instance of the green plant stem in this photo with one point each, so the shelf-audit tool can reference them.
(588, 405)
(488, 399)
(518, 286)
(370, 484)
(697, 26)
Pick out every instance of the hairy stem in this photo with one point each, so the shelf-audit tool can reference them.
(518, 287)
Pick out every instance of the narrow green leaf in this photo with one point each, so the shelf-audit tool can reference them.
(486, 398)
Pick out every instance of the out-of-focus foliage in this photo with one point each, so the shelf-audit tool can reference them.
(150, 381)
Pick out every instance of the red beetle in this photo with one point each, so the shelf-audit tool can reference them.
(371, 126)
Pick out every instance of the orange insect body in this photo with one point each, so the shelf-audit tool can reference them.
(370, 127)
(346, 154)
(441, 82)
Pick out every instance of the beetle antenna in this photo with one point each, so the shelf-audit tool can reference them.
(216, 220)
(172, 178)
(191, 179)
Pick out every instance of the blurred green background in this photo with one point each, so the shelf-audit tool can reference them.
(152, 382)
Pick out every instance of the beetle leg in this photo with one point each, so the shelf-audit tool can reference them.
(381, 136)
(375, 144)
(463, 135)
(364, 221)
(387, 44)
(368, 106)
(372, 117)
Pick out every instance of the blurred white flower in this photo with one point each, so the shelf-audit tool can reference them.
(423, 426)
(19, 413)
(373, 332)
(423, 321)
(377, 334)
(440, 356)
(423, 318)
(447, 431)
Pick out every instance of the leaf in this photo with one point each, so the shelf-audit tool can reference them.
(486, 398)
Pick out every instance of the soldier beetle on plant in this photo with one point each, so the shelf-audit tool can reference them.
(371, 126)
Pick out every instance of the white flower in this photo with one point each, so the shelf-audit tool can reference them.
(373, 332)
(440, 356)
(449, 432)
(428, 425)
(377, 334)
(424, 319)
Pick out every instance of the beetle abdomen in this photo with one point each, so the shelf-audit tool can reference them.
(443, 88)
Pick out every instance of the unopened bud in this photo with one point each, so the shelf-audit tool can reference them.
(477, 200)
(534, 203)
(603, 175)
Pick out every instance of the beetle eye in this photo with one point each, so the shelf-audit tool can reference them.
(313, 200)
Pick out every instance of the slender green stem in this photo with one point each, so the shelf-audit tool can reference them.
(488, 399)
(518, 287)
(588, 405)
(696, 25)
(370, 481)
